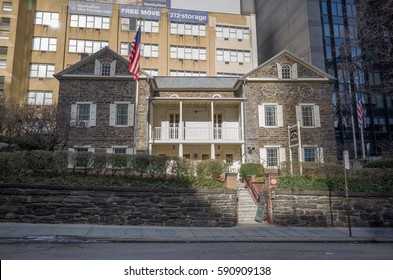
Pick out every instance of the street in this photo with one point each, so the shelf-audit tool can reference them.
(197, 251)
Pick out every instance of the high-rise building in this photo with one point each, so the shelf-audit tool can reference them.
(330, 34)
(179, 38)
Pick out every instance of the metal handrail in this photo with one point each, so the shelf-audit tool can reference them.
(255, 196)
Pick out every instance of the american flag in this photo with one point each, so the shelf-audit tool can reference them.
(359, 108)
(135, 55)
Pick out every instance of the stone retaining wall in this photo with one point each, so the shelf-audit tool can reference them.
(313, 208)
(117, 206)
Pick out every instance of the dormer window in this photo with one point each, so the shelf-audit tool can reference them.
(286, 71)
(105, 69)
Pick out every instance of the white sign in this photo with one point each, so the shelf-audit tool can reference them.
(346, 159)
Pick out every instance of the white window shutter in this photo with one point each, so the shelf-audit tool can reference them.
(97, 68)
(299, 115)
(320, 155)
(280, 116)
(317, 117)
(71, 160)
(279, 70)
(109, 150)
(294, 71)
(261, 113)
(112, 114)
(129, 151)
(93, 114)
(263, 154)
(113, 68)
(130, 114)
(283, 156)
(74, 110)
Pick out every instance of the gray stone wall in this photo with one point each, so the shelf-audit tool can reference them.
(117, 206)
(312, 208)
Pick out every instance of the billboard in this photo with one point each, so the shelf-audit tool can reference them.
(140, 12)
(90, 8)
(188, 16)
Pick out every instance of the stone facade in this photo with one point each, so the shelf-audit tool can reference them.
(118, 206)
(312, 208)
(309, 87)
(236, 134)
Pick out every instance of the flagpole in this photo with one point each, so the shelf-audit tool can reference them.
(361, 126)
(353, 124)
(136, 117)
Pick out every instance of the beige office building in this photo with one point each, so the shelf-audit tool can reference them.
(179, 38)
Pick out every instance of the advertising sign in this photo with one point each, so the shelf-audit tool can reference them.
(140, 12)
(157, 3)
(188, 16)
(90, 8)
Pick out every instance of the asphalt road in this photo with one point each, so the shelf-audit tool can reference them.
(197, 251)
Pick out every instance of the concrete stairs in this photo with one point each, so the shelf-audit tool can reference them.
(246, 206)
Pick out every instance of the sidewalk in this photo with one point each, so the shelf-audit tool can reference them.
(69, 233)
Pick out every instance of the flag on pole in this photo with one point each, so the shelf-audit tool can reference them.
(135, 55)
(359, 108)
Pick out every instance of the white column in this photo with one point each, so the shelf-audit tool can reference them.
(242, 120)
(243, 153)
(212, 151)
(212, 120)
(180, 150)
(181, 136)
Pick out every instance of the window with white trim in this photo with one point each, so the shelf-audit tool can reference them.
(222, 74)
(149, 50)
(313, 154)
(240, 56)
(4, 34)
(5, 22)
(7, 6)
(39, 98)
(38, 70)
(270, 115)
(183, 52)
(272, 156)
(232, 32)
(286, 71)
(149, 26)
(89, 21)
(83, 114)
(308, 115)
(3, 50)
(44, 44)
(188, 29)
(151, 72)
(128, 24)
(84, 46)
(121, 114)
(3, 63)
(183, 73)
(47, 18)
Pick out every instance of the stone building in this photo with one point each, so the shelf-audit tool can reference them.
(233, 119)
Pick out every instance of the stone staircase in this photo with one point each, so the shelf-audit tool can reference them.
(246, 206)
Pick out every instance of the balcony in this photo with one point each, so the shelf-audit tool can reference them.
(197, 134)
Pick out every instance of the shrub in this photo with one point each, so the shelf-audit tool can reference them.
(211, 168)
(379, 164)
(249, 169)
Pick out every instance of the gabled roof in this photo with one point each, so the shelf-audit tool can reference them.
(68, 71)
(321, 73)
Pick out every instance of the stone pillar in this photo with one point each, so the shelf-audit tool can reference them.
(231, 180)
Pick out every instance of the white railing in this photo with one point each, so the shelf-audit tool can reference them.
(194, 133)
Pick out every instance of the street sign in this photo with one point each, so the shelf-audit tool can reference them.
(260, 211)
(346, 159)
